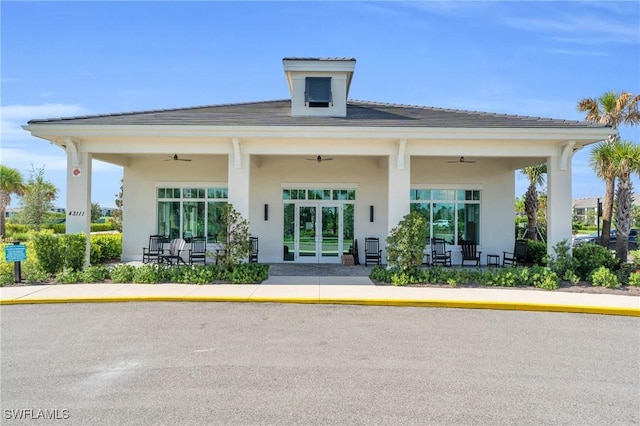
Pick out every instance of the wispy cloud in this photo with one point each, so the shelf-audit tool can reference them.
(12, 117)
(582, 27)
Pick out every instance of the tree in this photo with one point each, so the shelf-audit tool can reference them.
(601, 161)
(116, 214)
(535, 174)
(96, 212)
(10, 183)
(625, 160)
(406, 242)
(38, 198)
(234, 238)
(612, 109)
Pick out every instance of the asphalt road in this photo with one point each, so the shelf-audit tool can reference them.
(220, 363)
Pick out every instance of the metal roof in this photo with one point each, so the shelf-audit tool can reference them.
(359, 114)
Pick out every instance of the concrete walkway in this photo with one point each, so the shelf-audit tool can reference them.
(357, 290)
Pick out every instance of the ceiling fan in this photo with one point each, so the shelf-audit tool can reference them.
(461, 160)
(319, 159)
(175, 158)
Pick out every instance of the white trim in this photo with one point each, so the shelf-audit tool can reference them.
(402, 145)
(589, 135)
(323, 185)
(159, 184)
(236, 153)
(456, 186)
(566, 152)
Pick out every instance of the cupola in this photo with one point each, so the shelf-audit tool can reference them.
(319, 86)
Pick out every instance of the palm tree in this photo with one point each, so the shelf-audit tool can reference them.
(601, 161)
(612, 109)
(531, 203)
(625, 160)
(10, 183)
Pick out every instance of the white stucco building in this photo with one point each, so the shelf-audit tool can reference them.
(316, 171)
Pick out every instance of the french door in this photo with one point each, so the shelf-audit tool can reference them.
(319, 235)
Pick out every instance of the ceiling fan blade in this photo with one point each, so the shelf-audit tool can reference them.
(461, 160)
(319, 159)
(176, 158)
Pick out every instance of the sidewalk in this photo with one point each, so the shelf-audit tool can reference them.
(328, 290)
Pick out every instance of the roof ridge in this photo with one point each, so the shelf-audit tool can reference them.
(465, 111)
(151, 111)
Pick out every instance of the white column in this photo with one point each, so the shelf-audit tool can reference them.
(559, 213)
(239, 167)
(79, 195)
(399, 187)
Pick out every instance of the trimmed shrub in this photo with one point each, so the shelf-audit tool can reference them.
(74, 246)
(105, 248)
(49, 252)
(94, 274)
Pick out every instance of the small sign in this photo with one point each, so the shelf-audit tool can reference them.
(76, 172)
(15, 253)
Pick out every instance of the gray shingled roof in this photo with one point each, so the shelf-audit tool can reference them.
(359, 114)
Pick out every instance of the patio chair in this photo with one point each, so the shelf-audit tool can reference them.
(175, 250)
(372, 252)
(518, 256)
(198, 250)
(155, 249)
(253, 255)
(439, 253)
(470, 252)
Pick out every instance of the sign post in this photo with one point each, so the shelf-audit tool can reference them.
(16, 254)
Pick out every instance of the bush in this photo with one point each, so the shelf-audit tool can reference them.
(74, 246)
(380, 273)
(123, 273)
(94, 274)
(102, 227)
(406, 243)
(561, 261)
(634, 279)
(49, 252)
(150, 274)
(589, 257)
(69, 276)
(537, 252)
(105, 247)
(603, 277)
(249, 273)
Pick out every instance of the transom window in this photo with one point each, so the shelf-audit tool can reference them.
(319, 194)
(191, 212)
(452, 214)
(317, 92)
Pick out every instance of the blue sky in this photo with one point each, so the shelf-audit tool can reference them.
(531, 58)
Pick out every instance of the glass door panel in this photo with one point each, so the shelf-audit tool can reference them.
(330, 231)
(307, 233)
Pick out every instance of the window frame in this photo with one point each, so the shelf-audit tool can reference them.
(440, 195)
(183, 194)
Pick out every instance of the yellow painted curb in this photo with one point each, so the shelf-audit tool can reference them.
(464, 304)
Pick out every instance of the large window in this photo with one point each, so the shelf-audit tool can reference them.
(452, 214)
(191, 212)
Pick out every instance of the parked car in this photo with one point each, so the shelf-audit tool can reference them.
(441, 223)
(633, 239)
(593, 238)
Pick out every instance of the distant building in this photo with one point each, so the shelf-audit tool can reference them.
(586, 209)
